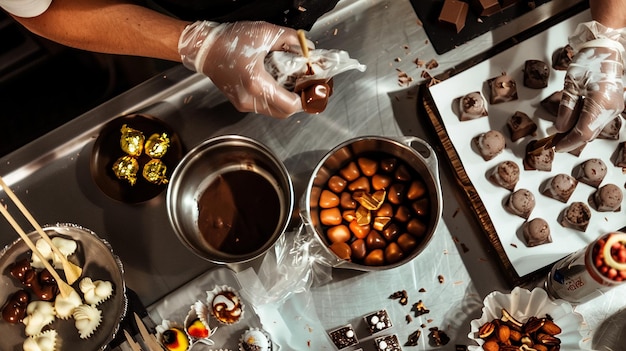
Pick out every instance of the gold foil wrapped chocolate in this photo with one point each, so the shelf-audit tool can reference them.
(156, 145)
(155, 172)
(126, 168)
(131, 141)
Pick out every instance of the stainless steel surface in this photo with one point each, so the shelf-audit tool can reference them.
(200, 168)
(51, 174)
(414, 152)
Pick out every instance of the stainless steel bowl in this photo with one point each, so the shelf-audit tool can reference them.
(229, 199)
(415, 152)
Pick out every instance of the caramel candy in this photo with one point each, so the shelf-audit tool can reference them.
(396, 193)
(393, 253)
(375, 241)
(389, 164)
(339, 233)
(330, 216)
(359, 250)
(381, 223)
(375, 258)
(416, 227)
(391, 232)
(342, 250)
(14, 310)
(363, 216)
(348, 215)
(403, 214)
(385, 210)
(155, 172)
(350, 172)
(416, 190)
(126, 168)
(359, 231)
(407, 242)
(157, 144)
(347, 202)
(328, 199)
(367, 166)
(337, 184)
(402, 173)
(315, 97)
(131, 141)
(421, 206)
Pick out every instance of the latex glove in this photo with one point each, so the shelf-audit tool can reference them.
(595, 76)
(232, 55)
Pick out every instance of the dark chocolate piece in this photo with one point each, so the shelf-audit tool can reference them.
(343, 337)
(472, 105)
(540, 160)
(388, 343)
(377, 321)
(453, 14)
(520, 125)
(503, 88)
(562, 58)
(536, 74)
(576, 216)
(552, 102)
(611, 130)
(485, 7)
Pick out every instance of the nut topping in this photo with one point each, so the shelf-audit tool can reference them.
(486, 330)
(507, 317)
(548, 340)
(549, 327)
(533, 324)
(504, 333)
(509, 334)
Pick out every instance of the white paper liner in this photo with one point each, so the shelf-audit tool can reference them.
(263, 332)
(523, 304)
(199, 310)
(166, 325)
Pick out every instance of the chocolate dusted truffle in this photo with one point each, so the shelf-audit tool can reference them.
(521, 203)
(591, 172)
(521, 125)
(489, 144)
(503, 88)
(576, 216)
(472, 105)
(562, 58)
(560, 187)
(536, 232)
(540, 160)
(536, 74)
(505, 174)
(608, 198)
(454, 14)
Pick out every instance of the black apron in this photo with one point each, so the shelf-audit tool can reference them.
(298, 14)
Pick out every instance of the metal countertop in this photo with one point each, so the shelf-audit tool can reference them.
(51, 175)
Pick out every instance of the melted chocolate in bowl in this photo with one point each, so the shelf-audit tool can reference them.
(238, 212)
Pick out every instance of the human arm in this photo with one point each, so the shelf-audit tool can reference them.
(594, 76)
(232, 58)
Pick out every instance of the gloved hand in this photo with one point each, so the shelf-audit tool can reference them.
(595, 76)
(232, 54)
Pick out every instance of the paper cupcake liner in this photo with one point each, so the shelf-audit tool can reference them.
(216, 297)
(166, 325)
(199, 311)
(262, 344)
(523, 304)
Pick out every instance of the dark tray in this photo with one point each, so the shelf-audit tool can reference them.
(445, 39)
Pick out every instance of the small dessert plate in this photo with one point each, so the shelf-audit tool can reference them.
(106, 150)
(523, 304)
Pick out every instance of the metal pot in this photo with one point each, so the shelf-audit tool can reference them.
(413, 151)
(229, 199)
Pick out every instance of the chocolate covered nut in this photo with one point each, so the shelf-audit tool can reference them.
(14, 309)
(396, 193)
(330, 216)
(407, 242)
(367, 166)
(375, 258)
(359, 250)
(389, 164)
(338, 234)
(393, 253)
(402, 173)
(391, 232)
(416, 190)
(380, 181)
(421, 207)
(337, 184)
(361, 183)
(403, 214)
(375, 241)
(328, 199)
(416, 227)
(350, 172)
(19, 269)
(347, 202)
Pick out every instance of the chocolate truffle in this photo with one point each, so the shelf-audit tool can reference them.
(521, 203)
(536, 232)
(562, 58)
(520, 125)
(576, 216)
(453, 14)
(611, 130)
(608, 198)
(503, 88)
(591, 172)
(560, 187)
(552, 102)
(540, 160)
(377, 321)
(620, 161)
(485, 7)
(505, 174)
(343, 337)
(472, 106)
(536, 74)
(388, 343)
(489, 144)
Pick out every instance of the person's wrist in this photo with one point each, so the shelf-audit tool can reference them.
(194, 43)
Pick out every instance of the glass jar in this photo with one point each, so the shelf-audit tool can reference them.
(591, 271)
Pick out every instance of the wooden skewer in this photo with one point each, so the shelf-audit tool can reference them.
(72, 271)
(64, 288)
(132, 343)
(303, 43)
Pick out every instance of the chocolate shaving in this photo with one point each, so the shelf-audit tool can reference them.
(414, 338)
(437, 337)
(440, 278)
(402, 295)
(419, 308)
